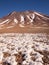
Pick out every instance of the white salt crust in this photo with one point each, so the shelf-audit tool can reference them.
(25, 43)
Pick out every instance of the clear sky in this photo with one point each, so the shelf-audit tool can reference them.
(7, 6)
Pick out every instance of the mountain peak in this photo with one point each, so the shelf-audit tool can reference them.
(14, 12)
(26, 19)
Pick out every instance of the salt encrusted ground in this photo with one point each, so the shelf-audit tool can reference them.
(24, 49)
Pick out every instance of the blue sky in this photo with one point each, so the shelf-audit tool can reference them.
(7, 6)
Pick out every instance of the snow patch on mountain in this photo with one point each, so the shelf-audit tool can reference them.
(10, 26)
(41, 15)
(31, 17)
(22, 19)
(6, 21)
(21, 25)
(15, 20)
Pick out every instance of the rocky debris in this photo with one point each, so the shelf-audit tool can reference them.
(6, 54)
(19, 58)
(5, 63)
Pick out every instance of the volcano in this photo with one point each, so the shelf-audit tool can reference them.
(24, 22)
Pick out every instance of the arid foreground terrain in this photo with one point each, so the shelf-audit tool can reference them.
(24, 38)
(24, 49)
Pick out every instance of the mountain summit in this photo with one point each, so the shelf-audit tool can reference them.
(24, 21)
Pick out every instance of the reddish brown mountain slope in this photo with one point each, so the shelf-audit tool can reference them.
(28, 21)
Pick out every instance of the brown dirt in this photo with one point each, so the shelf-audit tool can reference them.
(26, 30)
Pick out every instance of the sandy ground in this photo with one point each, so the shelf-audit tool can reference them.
(17, 29)
(24, 49)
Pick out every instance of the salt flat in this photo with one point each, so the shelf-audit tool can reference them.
(24, 49)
